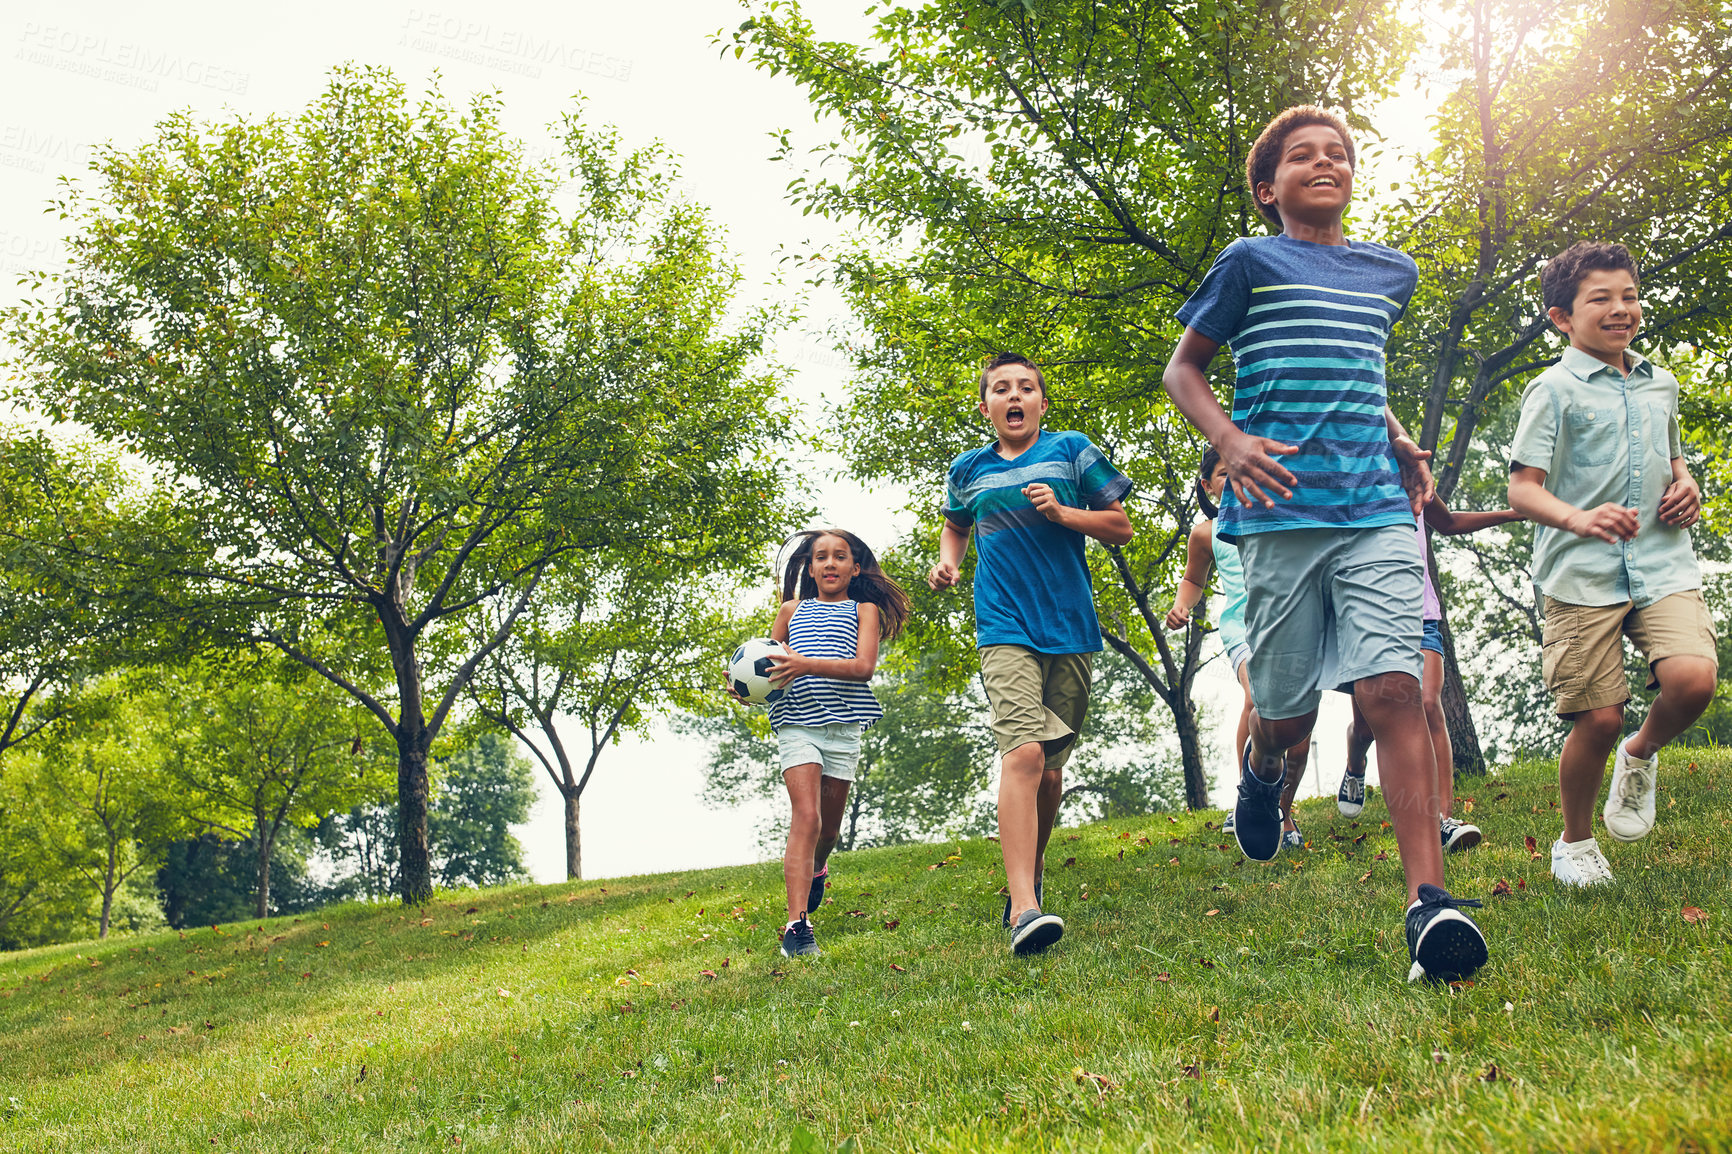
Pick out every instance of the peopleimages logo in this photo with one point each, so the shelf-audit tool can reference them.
(518, 50)
(123, 62)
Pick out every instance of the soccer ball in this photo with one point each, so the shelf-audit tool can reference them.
(749, 670)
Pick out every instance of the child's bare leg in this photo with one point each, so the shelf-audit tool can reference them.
(1358, 741)
(1271, 742)
(1582, 766)
(1392, 704)
(802, 782)
(1297, 757)
(1243, 733)
(1434, 721)
(1046, 805)
(1686, 688)
(1021, 775)
(832, 805)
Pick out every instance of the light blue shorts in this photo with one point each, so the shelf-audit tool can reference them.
(1326, 607)
(835, 747)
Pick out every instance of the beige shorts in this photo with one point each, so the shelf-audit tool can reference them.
(1582, 651)
(1036, 697)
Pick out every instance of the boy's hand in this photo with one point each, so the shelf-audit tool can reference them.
(1610, 522)
(1415, 473)
(1252, 469)
(941, 576)
(1681, 504)
(784, 667)
(1044, 499)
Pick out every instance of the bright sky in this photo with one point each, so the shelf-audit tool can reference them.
(83, 73)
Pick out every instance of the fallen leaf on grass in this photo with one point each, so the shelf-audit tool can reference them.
(892, 923)
(1173, 861)
(1213, 1013)
(424, 921)
(1385, 825)
(1501, 889)
(1382, 855)
(503, 992)
(1462, 984)
(706, 973)
(1533, 847)
(1366, 876)
(1163, 977)
(471, 910)
(720, 1078)
(856, 913)
(1101, 1085)
(1491, 1073)
(321, 945)
(1521, 883)
(1693, 915)
(777, 974)
(1210, 913)
(1206, 963)
(177, 1029)
(897, 968)
(1070, 861)
(1360, 838)
(1194, 1069)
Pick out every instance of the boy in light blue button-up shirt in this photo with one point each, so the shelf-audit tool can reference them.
(1598, 464)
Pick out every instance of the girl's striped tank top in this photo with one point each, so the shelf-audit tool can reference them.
(828, 629)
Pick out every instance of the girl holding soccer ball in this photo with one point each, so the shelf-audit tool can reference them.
(837, 605)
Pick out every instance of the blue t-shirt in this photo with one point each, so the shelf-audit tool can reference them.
(1308, 324)
(1031, 584)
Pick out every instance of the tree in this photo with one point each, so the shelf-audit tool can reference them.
(382, 383)
(261, 747)
(608, 646)
(1566, 120)
(1054, 180)
(101, 785)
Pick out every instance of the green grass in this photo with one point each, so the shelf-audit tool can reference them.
(585, 1016)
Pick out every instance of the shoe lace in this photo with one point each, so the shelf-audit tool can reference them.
(1635, 782)
(1592, 866)
(1450, 825)
(1450, 902)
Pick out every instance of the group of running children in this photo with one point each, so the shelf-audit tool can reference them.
(1317, 505)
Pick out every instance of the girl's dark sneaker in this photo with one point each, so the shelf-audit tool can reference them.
(1035, 931)
(1350, 798)
(1457, 834)
(1292, 839)
(1227, 823)
(798, 940)
(815, 898)
(1037, 900)
(1444, 943)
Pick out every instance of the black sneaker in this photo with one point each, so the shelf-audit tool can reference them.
(1445, 944)
(1037, 899)
(815, 898)
(1227, 823)
(798, 940)
(1292, 839)
(1035, 931)
(1350, 798)
(1257, 816)
(1457, 834)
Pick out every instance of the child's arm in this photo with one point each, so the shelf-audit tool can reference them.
(1415, 473)
(952, 546)
(1250, 467)
(859, 667)
(1452, 524)
(778, 632)
(1529, 496)
(1199, 557)
(1681, 503)
(1108, 525)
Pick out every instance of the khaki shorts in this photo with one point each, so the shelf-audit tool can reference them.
(1582, 653)
(1036, 697)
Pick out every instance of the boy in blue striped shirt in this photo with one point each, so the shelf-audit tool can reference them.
(1325, 488)
(1030, 498)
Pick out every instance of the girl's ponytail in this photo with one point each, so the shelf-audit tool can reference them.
(871, 584)
(1205, 468)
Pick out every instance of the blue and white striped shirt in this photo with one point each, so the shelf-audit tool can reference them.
(1308, 324)
(825, 629)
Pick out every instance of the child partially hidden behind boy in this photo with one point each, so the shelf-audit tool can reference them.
(1598, 463)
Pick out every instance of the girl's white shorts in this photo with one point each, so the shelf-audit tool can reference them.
(835, 747)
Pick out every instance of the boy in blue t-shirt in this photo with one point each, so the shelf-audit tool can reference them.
(1325, 487)
(1030, 498)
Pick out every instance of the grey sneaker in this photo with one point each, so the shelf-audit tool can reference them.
(1035, 931)
(1629, 812)
(1457, 835)
(798, 940)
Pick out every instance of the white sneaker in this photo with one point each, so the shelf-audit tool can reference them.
(1629, 812)
(1580, 863)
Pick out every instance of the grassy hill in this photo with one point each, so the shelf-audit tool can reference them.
(1195, 1002)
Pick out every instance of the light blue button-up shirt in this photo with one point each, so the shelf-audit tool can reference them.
(1601, 436)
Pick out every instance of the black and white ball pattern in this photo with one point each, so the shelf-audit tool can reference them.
(749, 670)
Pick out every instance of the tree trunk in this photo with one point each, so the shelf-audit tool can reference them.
(1191, 752)
(108, 888)
(262, 907)
(1464, 745)
(573, 838)
(1463, 736)
(414, 856)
